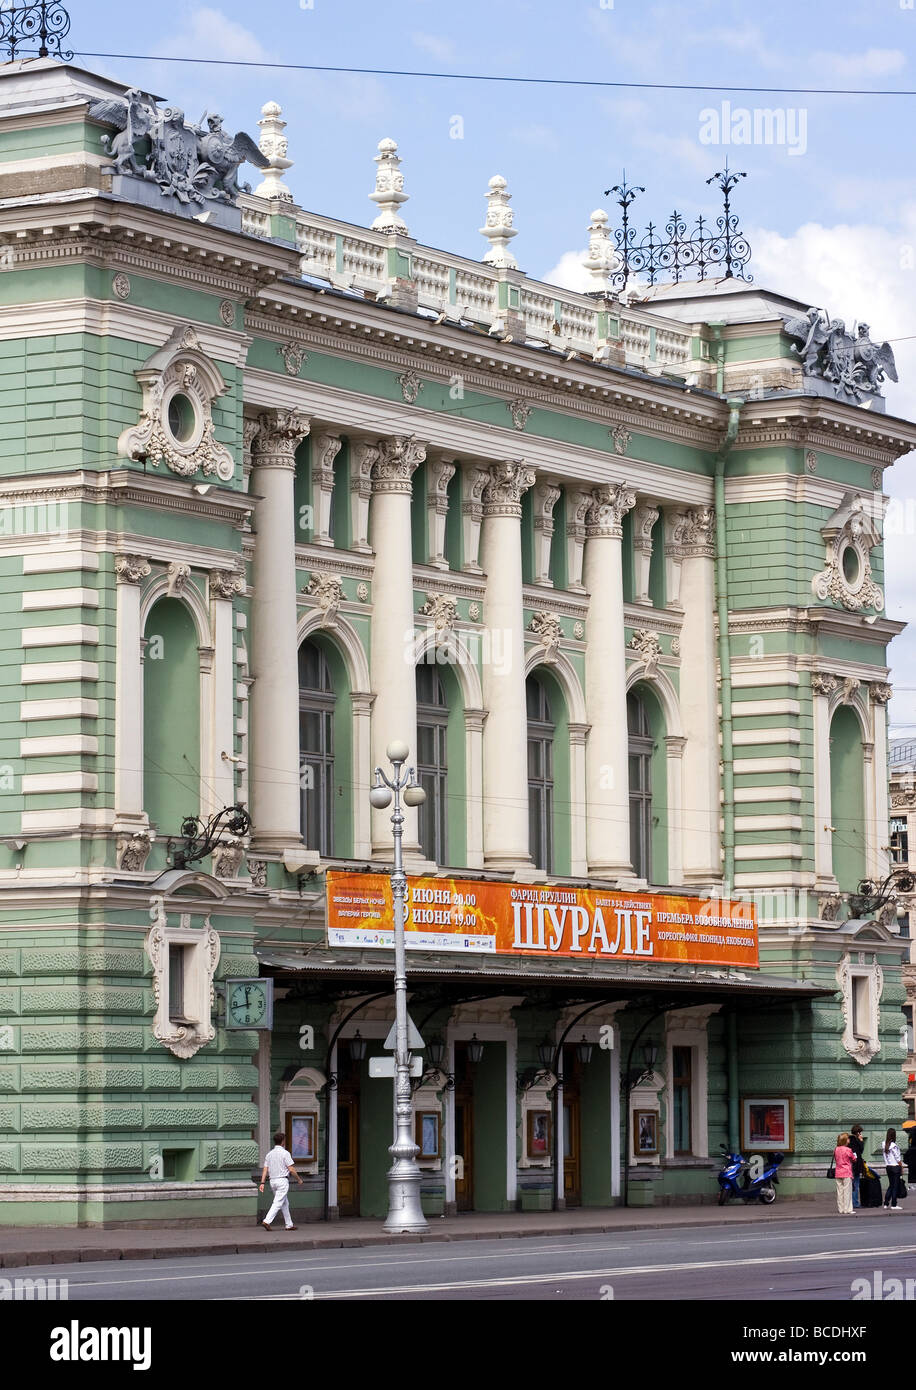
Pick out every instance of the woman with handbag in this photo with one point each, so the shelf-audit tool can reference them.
(843, 1161)
(894, 1165)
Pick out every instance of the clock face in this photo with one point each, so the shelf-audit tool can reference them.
(248, 1003)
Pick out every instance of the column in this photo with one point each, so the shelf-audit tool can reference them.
(505, 741)
(473, 482)
(546, 496)
(644, 518)
(274, 769)
(325, 448)
(699, 698)
(879, 862)
(578, 847)
(675, 518)
(823, 686)
(131, 570)
(224, 586)
(474, 720)
(578, 504)
(362, 458)
(440, 473)
(391, 657)
(607, 763)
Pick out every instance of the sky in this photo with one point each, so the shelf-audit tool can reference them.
(829, 202)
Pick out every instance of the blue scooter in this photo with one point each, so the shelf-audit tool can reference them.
(735, 1178)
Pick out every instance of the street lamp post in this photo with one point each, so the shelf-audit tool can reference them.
(405, 1211)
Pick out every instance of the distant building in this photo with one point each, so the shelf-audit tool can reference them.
(277, 489)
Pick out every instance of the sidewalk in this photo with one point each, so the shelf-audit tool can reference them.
(58, 1245)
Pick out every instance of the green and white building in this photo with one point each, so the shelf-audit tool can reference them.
(278, 489)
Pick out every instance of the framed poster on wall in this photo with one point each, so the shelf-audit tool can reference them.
(767, 1123)
(645, 1133)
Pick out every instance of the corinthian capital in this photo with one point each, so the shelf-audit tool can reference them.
(505, 486)
(398, 460)
(280, 432)
(131, 569)
(609, 505)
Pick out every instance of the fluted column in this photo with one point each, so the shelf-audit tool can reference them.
(505, 738)
(394, 715)
(699, 712)
(274, 772)
(607, 763)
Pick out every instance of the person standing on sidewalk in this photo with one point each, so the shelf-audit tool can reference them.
(277, 1167)
(857, 1144)
(843, 1160)
(894, 1165)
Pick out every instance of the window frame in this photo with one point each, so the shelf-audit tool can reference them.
(541, 732)
(320, 700)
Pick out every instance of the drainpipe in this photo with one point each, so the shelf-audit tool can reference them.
(731, 1044)
(725, 671)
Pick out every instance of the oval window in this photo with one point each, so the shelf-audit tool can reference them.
(850, 564)
(182, 418)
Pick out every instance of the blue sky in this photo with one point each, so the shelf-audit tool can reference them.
(830, 211)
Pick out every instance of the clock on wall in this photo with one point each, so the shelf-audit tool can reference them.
(250, 1003)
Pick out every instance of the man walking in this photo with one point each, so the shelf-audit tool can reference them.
(277, 1166)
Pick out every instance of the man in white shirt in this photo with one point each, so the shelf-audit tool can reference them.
(277, 1166)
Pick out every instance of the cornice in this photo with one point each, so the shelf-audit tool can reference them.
(400, 337)
(655, 619)
(540, 600)
(121, 486)
(368, 417)
(835, 621)
(342, 562)
(818, 422)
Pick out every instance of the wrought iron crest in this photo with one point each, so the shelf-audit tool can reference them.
(199, 839)
(45, 23)
(679, 252)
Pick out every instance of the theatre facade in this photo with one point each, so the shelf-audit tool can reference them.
(278, 490)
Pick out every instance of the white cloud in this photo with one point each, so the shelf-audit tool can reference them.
(874, 62)
(569, 273)
(540, 136)
(211, 32)
(435, 44)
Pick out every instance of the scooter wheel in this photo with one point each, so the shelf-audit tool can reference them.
(722, 1197)
(768, 1194)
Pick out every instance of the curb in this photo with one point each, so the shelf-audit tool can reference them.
(13, 1259)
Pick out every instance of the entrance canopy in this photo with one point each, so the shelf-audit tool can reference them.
(321, 970)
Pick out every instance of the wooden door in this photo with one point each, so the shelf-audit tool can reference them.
(572, 1129)
(464, 1149)
(464, 1129)
(348, 1152)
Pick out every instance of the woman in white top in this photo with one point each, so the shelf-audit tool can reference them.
(894, 1165)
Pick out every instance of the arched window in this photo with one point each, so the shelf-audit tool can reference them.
(641, 744)
(541, 731)
(847, 799)
(171, 716)
(432, 763)
(316, 748)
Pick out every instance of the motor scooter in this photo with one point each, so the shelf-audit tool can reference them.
(735, 1178)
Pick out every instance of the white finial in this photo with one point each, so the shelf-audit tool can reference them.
(601, 259)
(273, 144)
(389, 189)
(499, 229)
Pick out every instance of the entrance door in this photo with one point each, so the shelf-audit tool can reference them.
(347, 1133)
(464, 1130)
(572, 1169)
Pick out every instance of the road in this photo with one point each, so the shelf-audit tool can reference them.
(804, 1260)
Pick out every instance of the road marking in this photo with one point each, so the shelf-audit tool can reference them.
(620, 1272)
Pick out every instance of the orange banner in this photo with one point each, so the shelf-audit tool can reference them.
(460, 914)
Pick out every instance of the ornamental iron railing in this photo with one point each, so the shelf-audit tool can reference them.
(45, 23)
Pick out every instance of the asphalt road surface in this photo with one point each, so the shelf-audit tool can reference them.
(804, 1260)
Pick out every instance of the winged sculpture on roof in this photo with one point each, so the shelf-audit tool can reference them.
(194, 163)
(851, 362)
